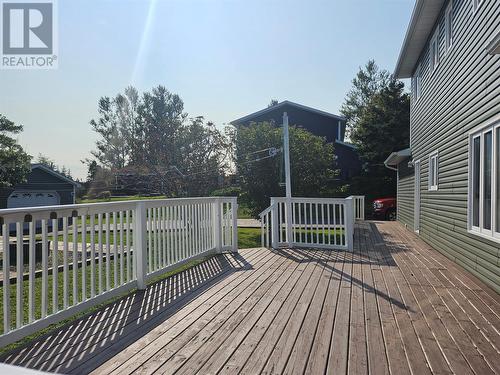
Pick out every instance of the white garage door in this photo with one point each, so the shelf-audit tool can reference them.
(32, 199)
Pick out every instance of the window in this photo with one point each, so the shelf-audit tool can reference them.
(476, 164)
(433, 171)
(484, 182)
(416, 83)
(448, 25)
(434, 51)
(476, 4)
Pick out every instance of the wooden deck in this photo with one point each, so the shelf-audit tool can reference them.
(393, 306)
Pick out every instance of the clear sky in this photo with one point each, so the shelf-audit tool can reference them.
(225, 59)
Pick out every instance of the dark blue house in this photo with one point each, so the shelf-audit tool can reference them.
(320, 123)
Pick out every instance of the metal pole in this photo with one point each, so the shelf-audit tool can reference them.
(288, 183)
(286, 151)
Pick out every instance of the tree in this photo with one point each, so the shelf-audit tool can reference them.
(272, 103)
(260, 173)
(151, 141)
(46, 161)
(92, 169)
(382, 127)
(50, 163)
(369, 80)
(14, 161)
(114, 127)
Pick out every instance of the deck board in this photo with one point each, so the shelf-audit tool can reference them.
(394, 306)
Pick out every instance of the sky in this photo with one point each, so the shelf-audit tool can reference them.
(224, 58)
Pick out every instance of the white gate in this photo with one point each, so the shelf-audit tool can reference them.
(315, 222)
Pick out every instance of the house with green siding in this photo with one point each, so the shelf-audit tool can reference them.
(449, 177)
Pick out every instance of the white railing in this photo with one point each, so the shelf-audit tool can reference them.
(265, 226)
(81, 255)
(309, 222)
(359, 206)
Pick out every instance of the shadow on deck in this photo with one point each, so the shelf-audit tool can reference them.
(394, 305)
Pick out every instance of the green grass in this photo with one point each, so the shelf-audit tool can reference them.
(248, 238)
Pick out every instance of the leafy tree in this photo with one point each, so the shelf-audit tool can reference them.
(50, 163)
(382, 127)
(112, 151)
(151, 139)
(260, 173)
(14, 161)
(369, 80)
(209, 153)
(92, 169)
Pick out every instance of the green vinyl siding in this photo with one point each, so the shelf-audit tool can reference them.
(405, 196)
(460, 95)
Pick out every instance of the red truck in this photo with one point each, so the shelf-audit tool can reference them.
(385, 209)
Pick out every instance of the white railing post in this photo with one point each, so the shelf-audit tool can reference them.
(358, 206)
(289, 221)
(349, 223)
(140, 244)
(274, 224)
(234, 214)
(217, 227)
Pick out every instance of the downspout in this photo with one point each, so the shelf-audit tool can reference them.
(391, 167)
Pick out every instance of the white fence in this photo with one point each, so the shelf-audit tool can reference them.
(309, 222)
(359, 206)
(81, 255)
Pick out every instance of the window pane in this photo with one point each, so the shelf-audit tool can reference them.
(487, 180)
(431, 172)
(435, 170)
(475, 180)
(449, 26)
(497, 204)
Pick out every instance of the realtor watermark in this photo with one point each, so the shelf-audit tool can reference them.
(28, 34)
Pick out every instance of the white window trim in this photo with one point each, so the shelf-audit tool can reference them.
(417, 83)
(448, 24)
(476, 4)
(434, 63)
(435, 186)
(492, 125)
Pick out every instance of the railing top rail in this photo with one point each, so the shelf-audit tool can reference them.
(310, 200)
(89, 208)
(266, 211)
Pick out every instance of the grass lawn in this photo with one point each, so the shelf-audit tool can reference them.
(248, 238)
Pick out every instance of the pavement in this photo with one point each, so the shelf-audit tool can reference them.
(248, 223)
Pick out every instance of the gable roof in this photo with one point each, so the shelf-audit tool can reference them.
(424, 16)
(55, 174)
(282, 104)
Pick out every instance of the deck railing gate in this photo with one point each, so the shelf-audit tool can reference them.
(315, 222)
